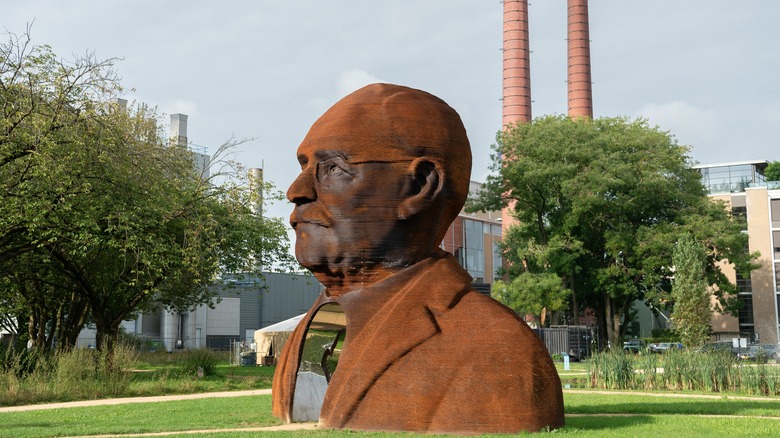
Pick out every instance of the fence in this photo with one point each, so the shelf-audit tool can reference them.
(152, 343)
(579, 342)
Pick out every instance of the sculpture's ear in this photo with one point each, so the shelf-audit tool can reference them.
(426, 182)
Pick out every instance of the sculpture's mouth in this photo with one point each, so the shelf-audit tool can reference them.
(310, 222)
(297, 219)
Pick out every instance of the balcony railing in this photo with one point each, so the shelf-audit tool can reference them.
(770, 185)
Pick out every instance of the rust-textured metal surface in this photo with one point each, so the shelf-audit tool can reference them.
(383, 174)
(516, 93)
(580, 87)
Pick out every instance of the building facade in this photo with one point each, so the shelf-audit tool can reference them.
(742, 186)
(473, 239)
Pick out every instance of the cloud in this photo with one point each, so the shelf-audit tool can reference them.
(181, 106)
(689, 124)
(351, 80)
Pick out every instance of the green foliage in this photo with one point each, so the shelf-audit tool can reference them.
(716, 371)
(75, 374)
(600, 203)
(88, 373)
(611, 370)
(691, 296)
(663, 335)
(102, 218)
(200, 360)
(772, 171)
(530, 293)
(20, 362)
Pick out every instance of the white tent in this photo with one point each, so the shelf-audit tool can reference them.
(270, 340)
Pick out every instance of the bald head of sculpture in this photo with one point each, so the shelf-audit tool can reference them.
(383, 173)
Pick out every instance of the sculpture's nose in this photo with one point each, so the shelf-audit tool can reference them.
(302, 190)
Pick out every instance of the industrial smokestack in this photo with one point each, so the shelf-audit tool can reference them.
(516, 95)
(179, 129)
(255, 176)
(580, 88)
(256, 187)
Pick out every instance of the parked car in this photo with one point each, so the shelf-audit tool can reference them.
(634, 346)
(759, 353)
(716, 347)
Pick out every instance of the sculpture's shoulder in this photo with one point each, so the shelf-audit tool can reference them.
(489, 320)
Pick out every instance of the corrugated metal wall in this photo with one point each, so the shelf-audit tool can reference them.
(287, 295)
(265, 302)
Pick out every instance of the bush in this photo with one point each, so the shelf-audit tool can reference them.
(663, 335)
(21, 361)
(87, 373)
(200, 359)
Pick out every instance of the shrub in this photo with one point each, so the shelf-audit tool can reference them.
(201, 358)
(83, 372)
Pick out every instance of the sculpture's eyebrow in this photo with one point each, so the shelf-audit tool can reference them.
(327, 154)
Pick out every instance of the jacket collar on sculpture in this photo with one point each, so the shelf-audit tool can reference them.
(415, 304)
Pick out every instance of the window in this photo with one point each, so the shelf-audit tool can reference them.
(777, 277)
(746, 312)
(777, 300)
(730, 179)
(473, 250)
(776, 242)
(743, 284)
(740, 215)
(497, 261)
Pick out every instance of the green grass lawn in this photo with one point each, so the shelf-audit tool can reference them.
(162, 379)
(588, 415)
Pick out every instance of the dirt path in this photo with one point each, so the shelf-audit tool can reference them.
(674, 394)
(284, 427)
(127, 400)
(165, 398)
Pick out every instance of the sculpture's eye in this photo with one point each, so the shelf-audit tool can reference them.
(330, 168)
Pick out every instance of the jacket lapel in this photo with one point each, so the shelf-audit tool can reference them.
(420, 296)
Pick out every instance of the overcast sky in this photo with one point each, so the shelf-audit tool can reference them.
(706, 70)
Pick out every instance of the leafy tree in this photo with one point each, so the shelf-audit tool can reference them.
(690, 292)
(600, 203)
(41, 98)
(772, 171)
(534, 294)
(102, 218)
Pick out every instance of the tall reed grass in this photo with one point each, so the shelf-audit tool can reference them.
(72, 375)
(682, 371)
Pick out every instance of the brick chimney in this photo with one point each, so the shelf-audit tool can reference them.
(516, 95)
(580, 88)
(516, 78)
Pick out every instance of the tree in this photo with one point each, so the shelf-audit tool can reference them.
(690, 293)
(102, 218)
(41, 98)
(772, 171)
(534, 294)
(603, 201)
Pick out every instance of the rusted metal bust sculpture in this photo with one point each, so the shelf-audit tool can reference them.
(383, 174)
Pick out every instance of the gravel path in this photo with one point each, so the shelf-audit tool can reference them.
(126, 400)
